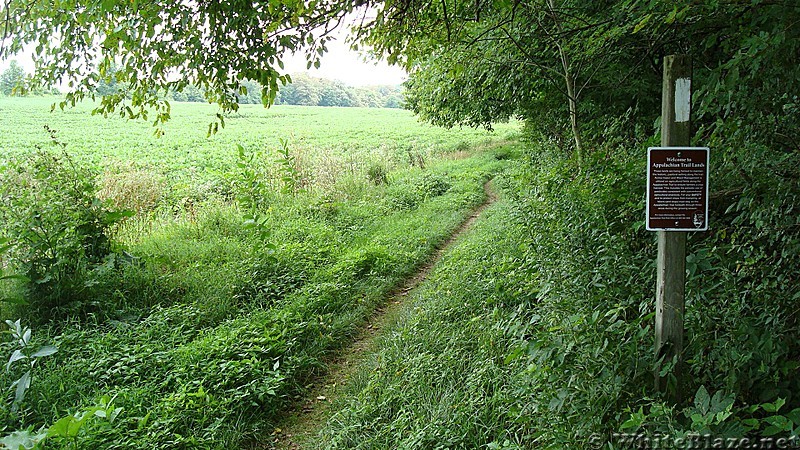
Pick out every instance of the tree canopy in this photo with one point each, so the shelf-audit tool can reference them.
(563, 65)
(162, 46)
(567, 66)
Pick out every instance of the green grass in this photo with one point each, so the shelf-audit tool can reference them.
(438, 377)
(536, 331)
(206, 335)
(187, 155)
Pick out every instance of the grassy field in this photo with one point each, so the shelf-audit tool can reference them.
(212, 309)
(200, 325)
(138, 170)
(185, 150)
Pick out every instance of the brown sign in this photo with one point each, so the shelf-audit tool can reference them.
(677, 188)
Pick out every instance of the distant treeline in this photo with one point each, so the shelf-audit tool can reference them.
(311, 91)
(12, 83)
(303, 90)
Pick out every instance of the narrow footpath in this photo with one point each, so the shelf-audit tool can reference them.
(302, 424)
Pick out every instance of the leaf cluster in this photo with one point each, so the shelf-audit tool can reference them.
(154, 48)
(57, 230)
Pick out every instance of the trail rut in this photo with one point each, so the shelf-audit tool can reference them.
(301, 424)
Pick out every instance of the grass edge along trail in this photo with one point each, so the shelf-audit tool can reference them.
(535, 331)
(435, 378)
(298, 430)
(212, 362)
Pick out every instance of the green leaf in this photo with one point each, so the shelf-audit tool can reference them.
(22, 278)
(721, 403)
(113, 416)
(671, 17)
(642, 23)
(23, 439)
(780, 422)
(23, 384)
(142, 423)
(794, 416)
(115, 216)
(774, 407)
(16, 327)
(14, 300)
(702, 400)
(61, 427)
(16, 356)
(635, 421)
(47, 350)
(751, 423)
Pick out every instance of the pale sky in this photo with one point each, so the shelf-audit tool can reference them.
(339, 63)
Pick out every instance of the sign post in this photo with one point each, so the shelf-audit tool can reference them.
(677, 201)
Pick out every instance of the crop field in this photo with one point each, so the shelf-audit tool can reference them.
(197, 316)
(186, 150)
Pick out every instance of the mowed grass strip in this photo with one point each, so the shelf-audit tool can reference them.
(437, 378)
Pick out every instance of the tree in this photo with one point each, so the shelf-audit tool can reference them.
(335, 93)
(12, 80)
(563, 65)
(250, 93)
(474, 63)
(570, 65)
(107, 82)
(304, 90)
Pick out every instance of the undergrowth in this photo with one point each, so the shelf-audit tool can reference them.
(537, 330)
(218, 318)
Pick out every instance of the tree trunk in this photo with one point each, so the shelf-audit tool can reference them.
(573, 116)
(569, 79)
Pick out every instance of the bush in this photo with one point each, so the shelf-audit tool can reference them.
(593, 266)
(411, 192)
(59, 229)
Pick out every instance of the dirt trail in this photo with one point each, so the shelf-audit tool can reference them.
(301, 425)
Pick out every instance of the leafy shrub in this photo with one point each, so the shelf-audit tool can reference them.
(59, 228)
(417, 189)
(269, 280)
(592, 265)
(25, 356)
(433, 185)
(415, 157)
(289, 169)
(401, 198)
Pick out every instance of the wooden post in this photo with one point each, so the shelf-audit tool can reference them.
(671, 262)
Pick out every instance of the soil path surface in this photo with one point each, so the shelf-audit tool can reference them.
(299, 429)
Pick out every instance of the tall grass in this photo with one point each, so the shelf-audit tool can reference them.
(537, 331)
(209, 326)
